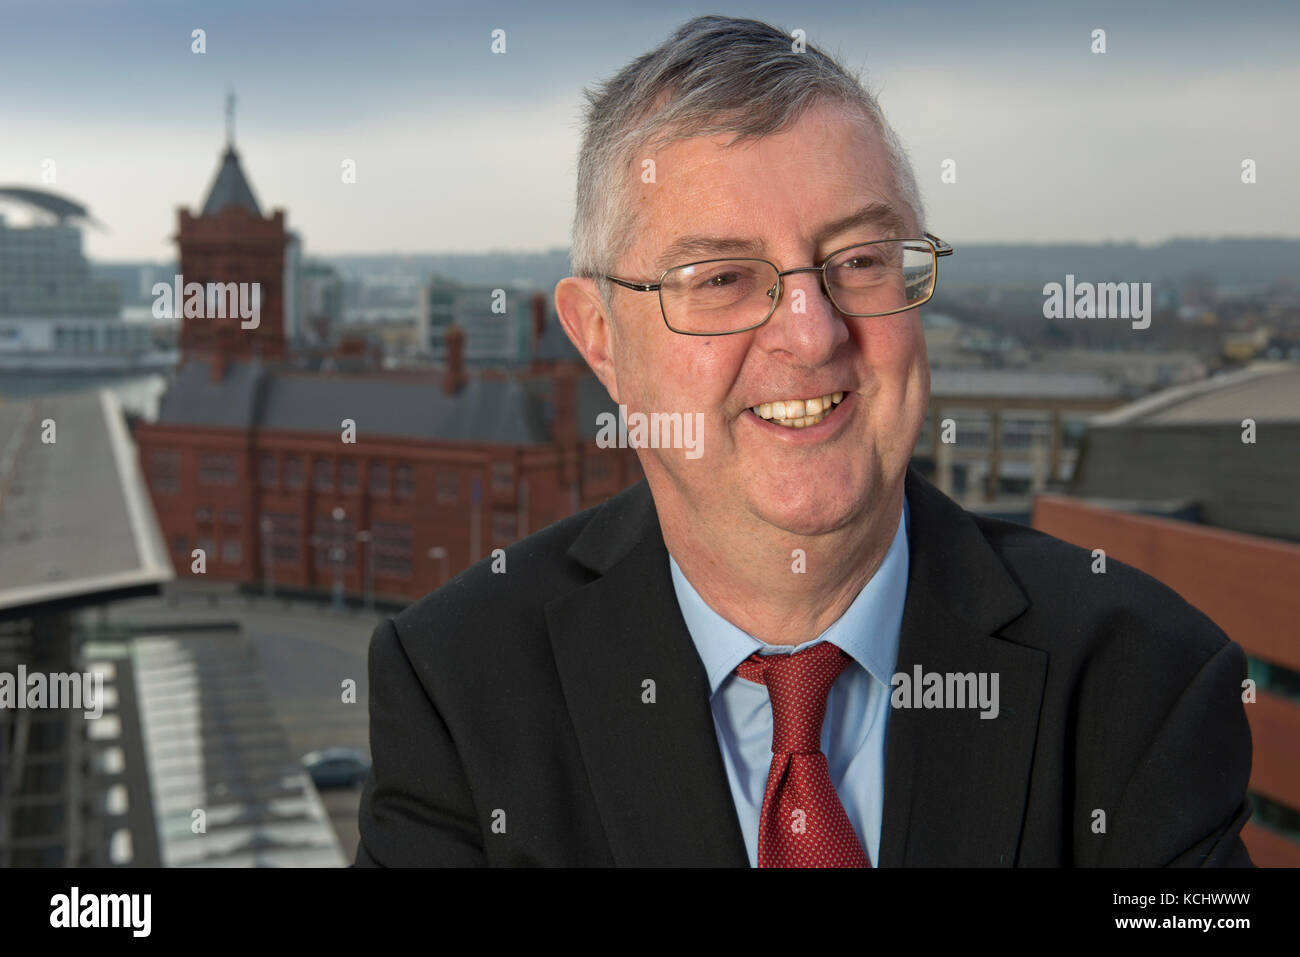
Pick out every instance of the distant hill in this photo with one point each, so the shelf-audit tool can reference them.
(976, 264)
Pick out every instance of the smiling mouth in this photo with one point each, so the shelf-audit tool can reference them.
(798, 413)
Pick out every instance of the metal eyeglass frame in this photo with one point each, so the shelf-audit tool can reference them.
(938, 248)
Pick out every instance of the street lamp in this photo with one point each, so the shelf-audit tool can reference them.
(338, 553)
(267, 573)
(363, 537)
(442, 554)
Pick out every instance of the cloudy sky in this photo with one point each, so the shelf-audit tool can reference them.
(458, 149)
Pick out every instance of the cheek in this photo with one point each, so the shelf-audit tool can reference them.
(892, 349)
(691, 373)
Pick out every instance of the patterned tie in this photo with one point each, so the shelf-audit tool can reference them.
(803, 823)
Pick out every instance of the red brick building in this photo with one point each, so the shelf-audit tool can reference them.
(305, 479)
(231, 242)
(379, 483)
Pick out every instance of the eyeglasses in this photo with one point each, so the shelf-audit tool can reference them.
(717, 297)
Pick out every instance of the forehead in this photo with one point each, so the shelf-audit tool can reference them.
(823, 176)
(781, 187)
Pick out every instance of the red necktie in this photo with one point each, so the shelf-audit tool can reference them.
(802, 823)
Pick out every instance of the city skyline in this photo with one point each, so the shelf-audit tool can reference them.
(1141, 143)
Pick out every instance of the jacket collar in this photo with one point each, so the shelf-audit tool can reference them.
(638, 696)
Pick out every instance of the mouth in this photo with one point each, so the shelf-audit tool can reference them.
(798, 413)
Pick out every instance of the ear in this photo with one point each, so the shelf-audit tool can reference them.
(589, 327)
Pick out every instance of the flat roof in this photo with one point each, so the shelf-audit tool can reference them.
(1264, 391)
(75, 516)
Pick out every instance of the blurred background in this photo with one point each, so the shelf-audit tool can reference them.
(214, 517)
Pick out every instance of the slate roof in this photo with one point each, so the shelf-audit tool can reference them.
(230, 188)
(485, 410)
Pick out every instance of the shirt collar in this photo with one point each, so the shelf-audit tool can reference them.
(868, 630)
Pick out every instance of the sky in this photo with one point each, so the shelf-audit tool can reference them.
(458, 149)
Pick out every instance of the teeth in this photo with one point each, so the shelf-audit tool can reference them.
(798, 413)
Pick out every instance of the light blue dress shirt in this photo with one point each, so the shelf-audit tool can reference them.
(857, 710)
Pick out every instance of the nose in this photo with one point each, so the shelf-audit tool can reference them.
(805, 323)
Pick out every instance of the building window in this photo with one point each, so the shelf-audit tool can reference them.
(230, 516)
(448, 487)
(204, 544)
(379, 479)
(334, 542)
(180, 546)
(405, 481)
(268, 471)
(1025, 429)
(293, 472)
(322, 475)
(349, 480)
(973, 428)
(281, 531)
(230, 551)
(505, 527)
(503, 478)
(165, 471)
(217, 469)
(392, 544)
(203, 514)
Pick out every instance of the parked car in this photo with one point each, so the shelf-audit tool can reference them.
(337, 767)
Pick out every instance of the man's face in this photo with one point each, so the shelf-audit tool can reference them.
(780, 191)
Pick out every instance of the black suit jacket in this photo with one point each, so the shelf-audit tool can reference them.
(507, 723)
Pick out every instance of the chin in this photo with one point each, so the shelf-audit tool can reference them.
(809, 513)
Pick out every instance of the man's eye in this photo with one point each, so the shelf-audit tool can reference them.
(722, 279)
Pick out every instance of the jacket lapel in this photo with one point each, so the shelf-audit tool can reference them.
(956, 783)
(655, 768)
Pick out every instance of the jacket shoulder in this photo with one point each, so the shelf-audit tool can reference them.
(1087, 592)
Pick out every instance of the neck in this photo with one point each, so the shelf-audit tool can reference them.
(748, 572)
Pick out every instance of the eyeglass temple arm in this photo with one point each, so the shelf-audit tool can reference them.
(638, 286)
(941, 248)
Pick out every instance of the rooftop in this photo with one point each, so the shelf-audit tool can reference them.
(230, 188)
(75, 518)
(253, 395)
(1264, 391)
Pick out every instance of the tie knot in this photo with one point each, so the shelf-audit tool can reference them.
(797, 685)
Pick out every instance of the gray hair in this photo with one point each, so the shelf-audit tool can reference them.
(714, 75)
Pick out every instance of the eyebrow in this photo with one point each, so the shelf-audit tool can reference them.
(882, 216)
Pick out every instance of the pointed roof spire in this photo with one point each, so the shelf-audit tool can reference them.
(230, 117)
(230, 188)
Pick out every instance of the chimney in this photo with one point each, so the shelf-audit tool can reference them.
(453, 376)
(539, 322)
(564, 425)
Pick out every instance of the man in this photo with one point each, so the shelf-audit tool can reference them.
(647, 683)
